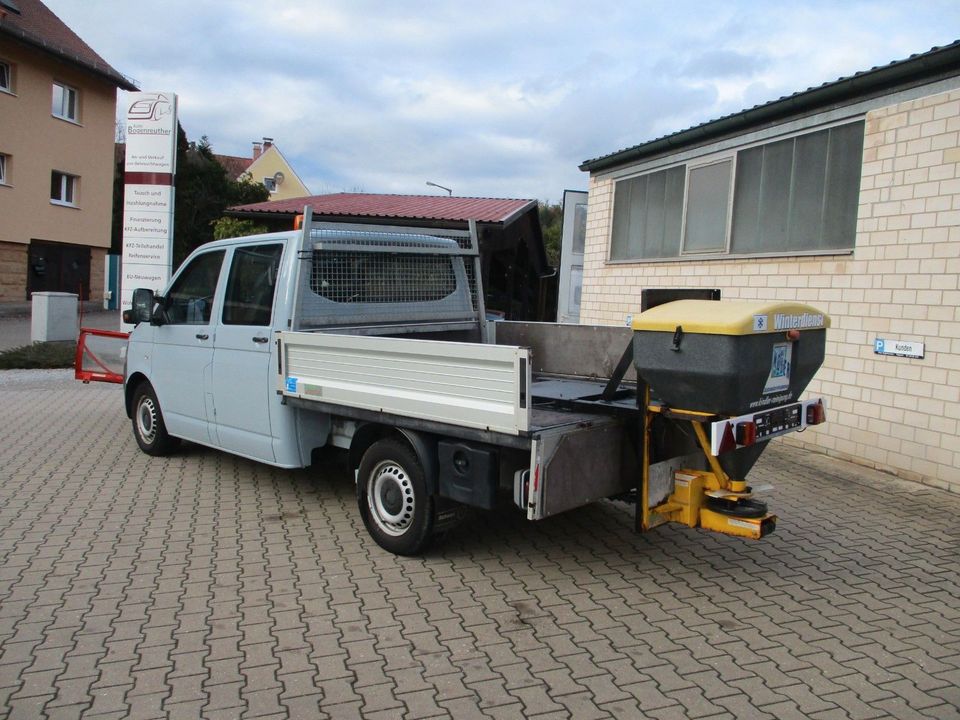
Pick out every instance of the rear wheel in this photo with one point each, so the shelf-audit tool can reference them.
(396, 508)
(148, 426)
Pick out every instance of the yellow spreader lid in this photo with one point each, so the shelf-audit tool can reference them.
(731, 317)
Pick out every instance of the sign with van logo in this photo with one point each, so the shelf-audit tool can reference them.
(149, 169)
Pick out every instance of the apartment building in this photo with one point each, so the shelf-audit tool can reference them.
(846, 197)
(57, 129)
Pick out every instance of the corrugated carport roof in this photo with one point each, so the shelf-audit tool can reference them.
(412, 207)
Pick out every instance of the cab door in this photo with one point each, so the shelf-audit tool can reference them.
(183, 348)
(242, 378)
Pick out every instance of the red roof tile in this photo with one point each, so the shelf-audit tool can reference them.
(416, 207)
(234, 165)
(36, 25)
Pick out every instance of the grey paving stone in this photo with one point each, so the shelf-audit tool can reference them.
(202, 585)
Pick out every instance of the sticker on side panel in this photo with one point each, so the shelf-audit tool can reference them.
(291, 384)
(779, 378)
(759, 323)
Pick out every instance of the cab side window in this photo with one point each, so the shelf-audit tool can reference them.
(190, 300)
(251, 285)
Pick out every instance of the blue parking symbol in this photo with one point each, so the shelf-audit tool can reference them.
(878, 345)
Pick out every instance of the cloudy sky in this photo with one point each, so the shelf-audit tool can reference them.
(492, 98)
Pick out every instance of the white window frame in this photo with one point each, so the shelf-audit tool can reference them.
(270, 184)
(613, 209)
(701, 163)
(8, 88)
(732, 154)
(67, 182)
(4, 169)
(68, 90)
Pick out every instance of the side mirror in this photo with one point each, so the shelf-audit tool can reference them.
(141, 309)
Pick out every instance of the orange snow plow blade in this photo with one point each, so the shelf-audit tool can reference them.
(101, 356)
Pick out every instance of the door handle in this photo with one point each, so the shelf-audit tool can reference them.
(261, 340)
(202, 336)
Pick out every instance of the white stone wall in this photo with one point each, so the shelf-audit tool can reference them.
(901, 283)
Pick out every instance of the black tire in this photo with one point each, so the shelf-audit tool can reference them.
(148, 426)
(747, 508)
(395, 505)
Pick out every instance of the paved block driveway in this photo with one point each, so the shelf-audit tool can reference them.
(206, 586)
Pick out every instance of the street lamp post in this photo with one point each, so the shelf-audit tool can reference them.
(433, 184)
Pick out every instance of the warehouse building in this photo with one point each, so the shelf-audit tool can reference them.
(844, 196)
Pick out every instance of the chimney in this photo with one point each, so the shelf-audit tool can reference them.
(257, 150)
(267, 142)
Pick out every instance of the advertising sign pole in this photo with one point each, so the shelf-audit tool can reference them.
(148, 197)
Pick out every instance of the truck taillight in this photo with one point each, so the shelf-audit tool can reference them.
(746, 433)
(816, 414)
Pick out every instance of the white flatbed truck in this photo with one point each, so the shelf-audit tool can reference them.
(375, 340)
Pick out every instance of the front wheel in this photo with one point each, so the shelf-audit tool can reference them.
(148, 426)
(396, 508)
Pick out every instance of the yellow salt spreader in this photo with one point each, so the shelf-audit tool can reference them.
(717, 382)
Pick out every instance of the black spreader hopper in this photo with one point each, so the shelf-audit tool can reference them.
(728, 357)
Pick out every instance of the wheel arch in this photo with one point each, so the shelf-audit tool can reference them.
(130, 389)
(423, 445)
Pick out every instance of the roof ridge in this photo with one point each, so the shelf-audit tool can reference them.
(424, 195)
(35, 17)
(916, 60)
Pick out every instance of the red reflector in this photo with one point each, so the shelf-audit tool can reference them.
(727, 442)
(816, 414)
(746, 433)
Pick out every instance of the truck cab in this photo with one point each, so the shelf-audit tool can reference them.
(204, 353)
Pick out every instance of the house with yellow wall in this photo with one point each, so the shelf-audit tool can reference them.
(268, 166)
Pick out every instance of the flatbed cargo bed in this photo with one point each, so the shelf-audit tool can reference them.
(478, 386)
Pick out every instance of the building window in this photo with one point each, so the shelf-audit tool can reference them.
(63, 188)
(794, 195)
(4, 169)
(270, 183)
(648, 215)
(799, 194)
(65, 102)
(708, 200)
(6, 76)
